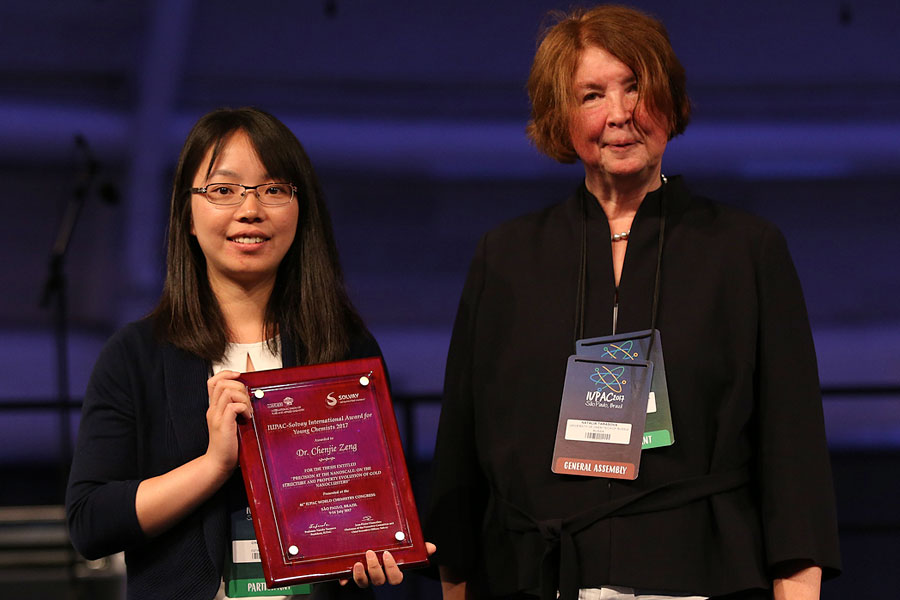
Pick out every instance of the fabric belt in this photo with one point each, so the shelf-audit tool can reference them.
(559, 563)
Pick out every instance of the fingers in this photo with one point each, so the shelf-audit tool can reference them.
(376, 573)
(212, 381)
(373, 573)
(359, 575)
(228, 401)
(224, 391)
(391, 570)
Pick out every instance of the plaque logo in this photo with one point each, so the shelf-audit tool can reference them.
(332, 400)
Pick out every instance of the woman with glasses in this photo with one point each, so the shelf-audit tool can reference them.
(252, 282)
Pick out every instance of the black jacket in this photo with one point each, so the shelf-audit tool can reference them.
(749, 466)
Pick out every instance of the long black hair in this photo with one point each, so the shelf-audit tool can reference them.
(309, 303)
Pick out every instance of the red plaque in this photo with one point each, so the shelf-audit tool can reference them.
(325, 473)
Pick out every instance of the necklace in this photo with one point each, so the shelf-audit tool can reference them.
(581, 294)
(623, 237)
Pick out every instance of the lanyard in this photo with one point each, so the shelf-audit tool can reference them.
(581, 295)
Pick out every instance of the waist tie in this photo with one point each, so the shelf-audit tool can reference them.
(559, 563)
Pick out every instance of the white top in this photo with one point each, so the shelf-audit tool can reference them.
(262, 358)
(626, 593)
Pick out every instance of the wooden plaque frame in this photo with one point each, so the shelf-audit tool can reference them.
(325, 473)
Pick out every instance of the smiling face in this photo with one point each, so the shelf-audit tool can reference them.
(614, 136)
(244, 244)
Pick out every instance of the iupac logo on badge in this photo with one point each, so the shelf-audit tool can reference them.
(330, 400)
(620, 351)
(609, 379)
(610, 384)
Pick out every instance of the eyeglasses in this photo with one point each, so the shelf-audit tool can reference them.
(232, 194)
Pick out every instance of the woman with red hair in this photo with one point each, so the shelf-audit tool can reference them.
(741, 504)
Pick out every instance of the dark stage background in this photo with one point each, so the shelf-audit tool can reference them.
(413, 114)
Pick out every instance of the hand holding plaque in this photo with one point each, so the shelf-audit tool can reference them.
(324, 471)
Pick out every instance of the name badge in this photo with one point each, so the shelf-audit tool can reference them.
(243, 573)
(636, 346)
(601, 418)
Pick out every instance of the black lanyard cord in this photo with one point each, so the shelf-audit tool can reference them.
(659, 251)
(581, 295)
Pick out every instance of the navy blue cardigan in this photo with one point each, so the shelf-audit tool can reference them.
(144, 414)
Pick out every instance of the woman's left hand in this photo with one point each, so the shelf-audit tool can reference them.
(373, 573)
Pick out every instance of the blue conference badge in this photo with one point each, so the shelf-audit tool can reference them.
(601, 418)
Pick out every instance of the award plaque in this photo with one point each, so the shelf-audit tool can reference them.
(324, 471)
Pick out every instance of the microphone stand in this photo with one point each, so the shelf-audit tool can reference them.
(54, 297)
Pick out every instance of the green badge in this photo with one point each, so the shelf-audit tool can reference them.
(640, 345)
(243, 572)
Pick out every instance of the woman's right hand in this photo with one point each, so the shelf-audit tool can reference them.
(228, 401)
(163, 501)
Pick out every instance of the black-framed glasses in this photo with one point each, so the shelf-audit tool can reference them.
(232, 194)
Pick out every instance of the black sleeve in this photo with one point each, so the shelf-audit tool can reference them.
(103, 480)
(796, 489)
(459, 490)
(364, 345)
